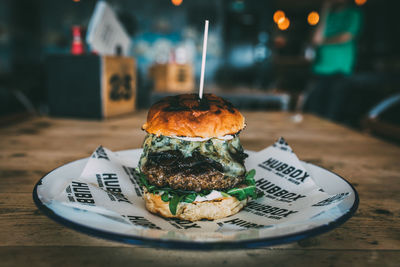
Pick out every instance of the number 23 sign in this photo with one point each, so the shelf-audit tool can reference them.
(119, 85)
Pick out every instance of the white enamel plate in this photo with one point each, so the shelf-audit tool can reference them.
(184, 234)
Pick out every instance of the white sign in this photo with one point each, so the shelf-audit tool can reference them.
(105, 33)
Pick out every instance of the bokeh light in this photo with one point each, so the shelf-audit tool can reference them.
(360, 2)
(284, 24)
(313, 18)
(176, 2)
(281, 20)
(279, 14)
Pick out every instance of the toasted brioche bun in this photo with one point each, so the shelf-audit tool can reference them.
(210, 210)
(187, 115)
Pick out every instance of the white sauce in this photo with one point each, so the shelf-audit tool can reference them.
(213, 195)
(200, 139)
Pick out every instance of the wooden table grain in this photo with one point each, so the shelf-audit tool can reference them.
(30, 149)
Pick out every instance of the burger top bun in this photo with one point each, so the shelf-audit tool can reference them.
(186, 115)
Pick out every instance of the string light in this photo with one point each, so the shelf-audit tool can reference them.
(284, 24)
(360, 2)
(176, 2)
(281, 20)
(279, 14)
(313, 18)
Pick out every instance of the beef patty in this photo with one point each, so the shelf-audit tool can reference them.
(195, 173)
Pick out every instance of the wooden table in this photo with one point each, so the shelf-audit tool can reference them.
(30, 149)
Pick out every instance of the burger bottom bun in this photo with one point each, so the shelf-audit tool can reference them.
(210, 210)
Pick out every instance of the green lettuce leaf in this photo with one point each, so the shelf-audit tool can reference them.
(174, 197)
(249, 179)
(165, 197)
(190, 198)
(173, 203)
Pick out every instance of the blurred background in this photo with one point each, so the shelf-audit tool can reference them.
(337, 59)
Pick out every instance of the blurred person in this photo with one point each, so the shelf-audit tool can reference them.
(335, 41)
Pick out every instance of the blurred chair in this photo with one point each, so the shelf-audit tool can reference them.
(15, 105)
(384, 119)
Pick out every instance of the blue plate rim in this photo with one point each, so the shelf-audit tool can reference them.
(190, 245)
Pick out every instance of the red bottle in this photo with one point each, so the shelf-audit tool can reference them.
(77, 47)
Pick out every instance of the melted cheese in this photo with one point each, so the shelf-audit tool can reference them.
(218, 150)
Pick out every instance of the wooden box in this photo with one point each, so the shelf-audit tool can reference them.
(170, 77)
(90, 86)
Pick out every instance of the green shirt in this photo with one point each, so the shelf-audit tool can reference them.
(338, 58)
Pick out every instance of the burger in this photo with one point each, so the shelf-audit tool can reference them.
(192, 165)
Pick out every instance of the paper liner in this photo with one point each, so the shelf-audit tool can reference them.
(109, 186)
